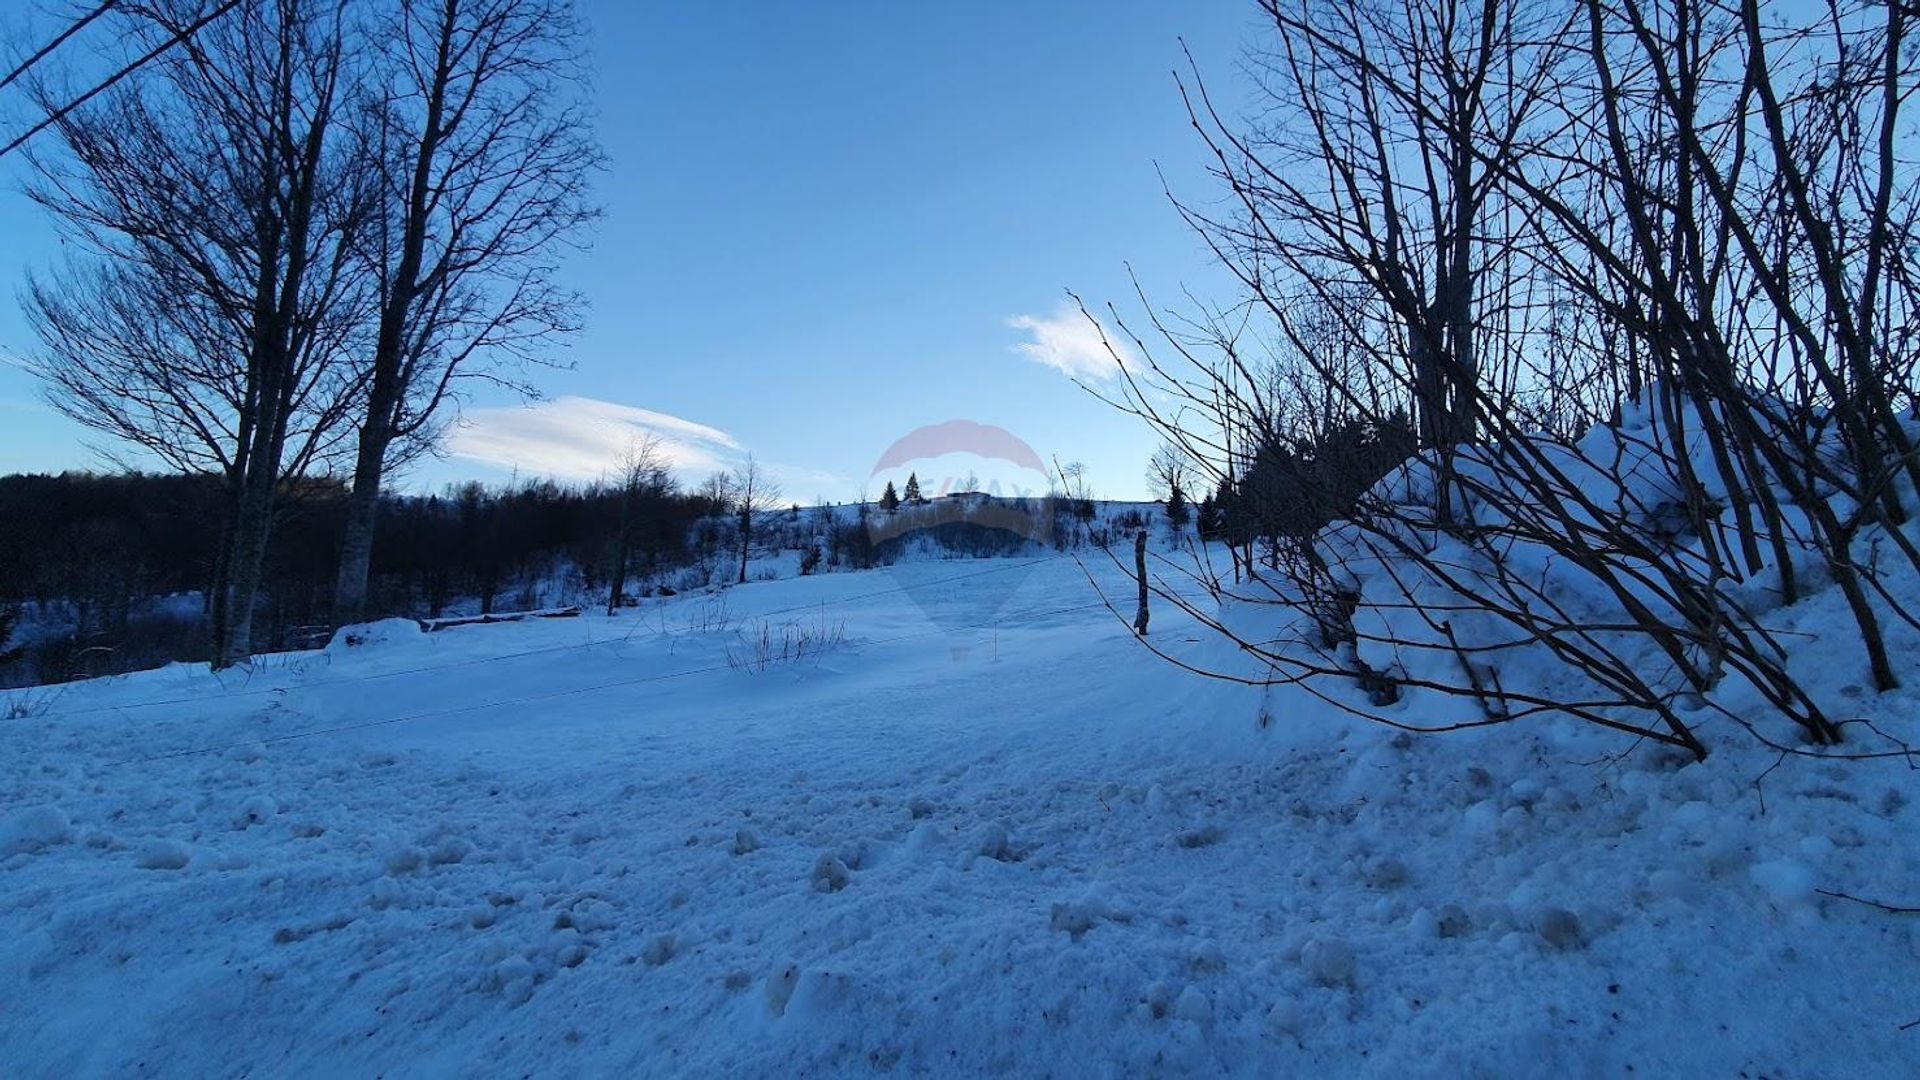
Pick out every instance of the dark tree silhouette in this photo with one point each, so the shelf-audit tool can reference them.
(218, 303)
(479, 144)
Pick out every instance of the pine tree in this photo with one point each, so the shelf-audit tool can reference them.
(1177, 512)
(1210, 518)
(889, 499)
(913, 496)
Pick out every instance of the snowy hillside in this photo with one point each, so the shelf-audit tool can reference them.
(944, 817)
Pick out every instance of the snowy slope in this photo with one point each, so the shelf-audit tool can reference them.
(984, 831)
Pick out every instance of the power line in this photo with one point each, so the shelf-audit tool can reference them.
(61, 113)
(59, 39)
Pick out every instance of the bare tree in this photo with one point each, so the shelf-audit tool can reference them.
(1700, 205)
(156, 367)
(1071, 479)
(717, 492)
(1740, 222)
(217, 186)
(1391, 107)
(1170, 470)
(645, 481)
(480, 143)
(751, 492)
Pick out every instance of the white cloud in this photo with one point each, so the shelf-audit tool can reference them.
(579, 438)
(1069, 342)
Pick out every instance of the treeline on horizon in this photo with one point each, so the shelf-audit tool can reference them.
(102, 574)
(109, 572)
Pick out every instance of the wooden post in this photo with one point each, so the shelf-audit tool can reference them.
(1140, 571)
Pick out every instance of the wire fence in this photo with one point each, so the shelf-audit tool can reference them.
(552, 695)
(494, 658)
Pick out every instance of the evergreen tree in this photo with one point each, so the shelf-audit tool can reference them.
(889, 499)
(913, 496)
(1177, 511)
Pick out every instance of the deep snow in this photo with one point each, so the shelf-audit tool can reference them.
(983, 832)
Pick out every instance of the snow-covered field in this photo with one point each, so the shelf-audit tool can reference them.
(974, 829)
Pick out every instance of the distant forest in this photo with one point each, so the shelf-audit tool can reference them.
(102, 574)
(108, 573)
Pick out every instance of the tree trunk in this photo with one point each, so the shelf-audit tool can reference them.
(217, 597)
(363, 514)
(253, 522)
(746, 537)
(616, 591)
(253, 509)
(622, 552)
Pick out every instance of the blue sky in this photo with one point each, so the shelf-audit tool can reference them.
(829, 224)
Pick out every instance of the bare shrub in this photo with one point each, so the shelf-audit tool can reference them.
(763, 643)
(1535, 357)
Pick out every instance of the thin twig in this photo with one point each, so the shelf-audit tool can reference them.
(1891, 909)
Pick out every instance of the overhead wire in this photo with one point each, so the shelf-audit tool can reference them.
(179, 36)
